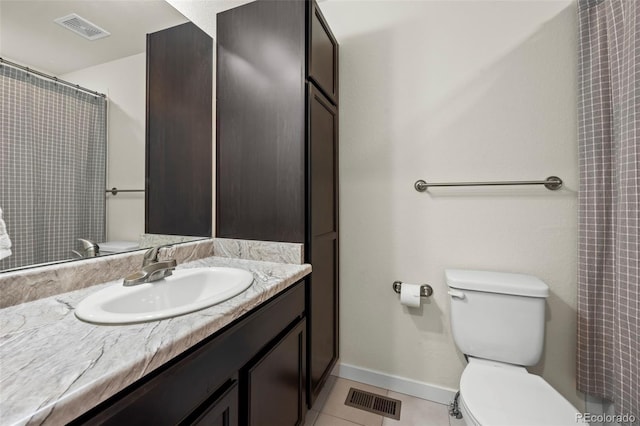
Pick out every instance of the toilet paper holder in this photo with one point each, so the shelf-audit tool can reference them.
(425, 289)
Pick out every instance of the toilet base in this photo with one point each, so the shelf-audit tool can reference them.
(467, 418)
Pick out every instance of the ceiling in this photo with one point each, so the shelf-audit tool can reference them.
(203, 12)
(29, 35)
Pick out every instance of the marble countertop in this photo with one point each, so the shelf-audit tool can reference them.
(54, 367)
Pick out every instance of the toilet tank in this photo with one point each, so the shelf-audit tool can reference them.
(497, 316)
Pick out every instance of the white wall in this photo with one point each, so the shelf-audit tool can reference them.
(123, 81)
(453, 91)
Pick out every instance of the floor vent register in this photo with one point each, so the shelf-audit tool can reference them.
(373, 403)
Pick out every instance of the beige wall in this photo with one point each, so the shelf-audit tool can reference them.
(123, 81)
(453, 91)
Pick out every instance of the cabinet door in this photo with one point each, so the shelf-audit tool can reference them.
(260, 122)
(322, 250)
(322, 54)
(275, 383)
(223, 411)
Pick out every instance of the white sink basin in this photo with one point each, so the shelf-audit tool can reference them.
(185, 291)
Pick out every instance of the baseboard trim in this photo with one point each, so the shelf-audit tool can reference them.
(411, 387)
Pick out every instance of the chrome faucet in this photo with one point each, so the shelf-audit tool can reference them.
(89, 249)
(152, 269)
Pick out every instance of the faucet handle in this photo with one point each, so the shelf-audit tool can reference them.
(151, 255)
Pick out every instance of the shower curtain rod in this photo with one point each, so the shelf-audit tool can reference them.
(51, 77)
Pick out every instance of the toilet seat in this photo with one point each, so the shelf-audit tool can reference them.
(110, 247)
(495, 394)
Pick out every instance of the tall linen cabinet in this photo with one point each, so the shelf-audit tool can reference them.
(277, 149)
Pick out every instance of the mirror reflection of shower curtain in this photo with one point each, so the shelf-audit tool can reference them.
(52, 167)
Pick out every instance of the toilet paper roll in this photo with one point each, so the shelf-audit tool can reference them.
(410, 295)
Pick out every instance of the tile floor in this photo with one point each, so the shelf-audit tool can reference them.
(329, 409)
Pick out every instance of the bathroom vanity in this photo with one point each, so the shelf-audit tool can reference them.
(232, 363)
(251, 370)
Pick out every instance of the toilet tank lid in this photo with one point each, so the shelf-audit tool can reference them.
(496, 282)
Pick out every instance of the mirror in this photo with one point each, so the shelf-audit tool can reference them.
(114, 65)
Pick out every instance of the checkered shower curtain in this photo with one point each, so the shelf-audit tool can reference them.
(609, 203)
(52, 167)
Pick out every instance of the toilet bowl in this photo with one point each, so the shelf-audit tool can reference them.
(499, 394)
(497, 320)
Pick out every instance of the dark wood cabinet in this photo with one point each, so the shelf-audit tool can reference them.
(178, 174)
(222, 411)
(322, 54)
(260, 110)
(322, 251)
(244, 368)
(281, 372)
(277, 148)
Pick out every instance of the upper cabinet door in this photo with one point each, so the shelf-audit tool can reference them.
(322, 54)
(261, 122)
(179, 144)
(323, 147)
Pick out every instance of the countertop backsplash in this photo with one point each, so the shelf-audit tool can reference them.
(267, 251)
(30, 284)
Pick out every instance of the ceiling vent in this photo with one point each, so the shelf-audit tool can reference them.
(82, 27)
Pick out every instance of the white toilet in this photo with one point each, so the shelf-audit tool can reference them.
(497, 320)
(113, 247)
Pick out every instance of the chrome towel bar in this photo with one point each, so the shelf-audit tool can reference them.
(552, 183)
(425, 289)
(114, 190)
